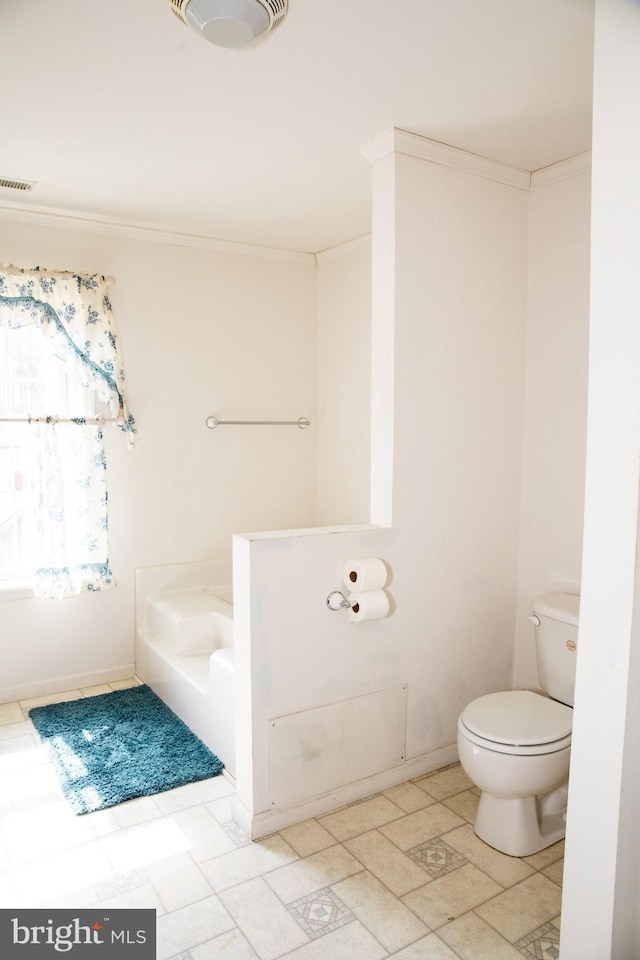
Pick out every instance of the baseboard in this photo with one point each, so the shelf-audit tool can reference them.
(42, 688)
(263, 824)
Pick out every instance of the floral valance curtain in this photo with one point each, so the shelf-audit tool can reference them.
(74, 313)
(68, 458)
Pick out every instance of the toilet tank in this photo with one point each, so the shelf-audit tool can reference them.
(556, 617)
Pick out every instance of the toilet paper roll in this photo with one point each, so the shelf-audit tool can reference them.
(368, 574)
(372, 605)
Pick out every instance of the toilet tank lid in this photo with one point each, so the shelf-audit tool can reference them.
(518, 717)
(560, 606)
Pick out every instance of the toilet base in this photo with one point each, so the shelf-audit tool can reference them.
(522, 826)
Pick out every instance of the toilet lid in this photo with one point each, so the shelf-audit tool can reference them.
(518, 718)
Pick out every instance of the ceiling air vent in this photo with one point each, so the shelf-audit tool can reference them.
(12, 184)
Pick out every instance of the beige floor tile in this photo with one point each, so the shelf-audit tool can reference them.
(140, 898)
(265, 922)
(547, 856)
(103, 822)
(27, 838)
(429, 948)
(473, 939)
(555, 871)
(247, 862)
(26, 805)
(192, 794)
(382, 914)
(143, 845)
(49, 698)
(137, 811)
(360, 817)
(383, 859)
(522, 908)
(465, 804)
(445, 783)
(222, 809)
(316, 872)
(177, 881)
(228, 946)
(35, 786)
(125, 684)
(28, 745)
(80, 866)
(186, 928)
(308, 837)
(9, 731)
(119, 884)
(415, 828)
(351, 942)
(204, 837)
(505, 870)
(95, 691)
(18, 753)
(7, 889)
(408, 797)
(544, 941)
(450, 896)
(11, 713)
(21, 753)
(81, 899)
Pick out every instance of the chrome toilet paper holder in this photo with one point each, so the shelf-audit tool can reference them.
(337, 601)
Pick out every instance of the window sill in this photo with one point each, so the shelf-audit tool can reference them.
(15, 590)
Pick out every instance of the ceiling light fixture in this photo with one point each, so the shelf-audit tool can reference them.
(10, 183)
(231, 23)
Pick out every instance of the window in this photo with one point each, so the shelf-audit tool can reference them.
(33, 383)
(59, 350)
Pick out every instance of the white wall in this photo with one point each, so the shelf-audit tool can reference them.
(293, 655)
(555, 415)
(459, 320)
(204, 332)
(344, 383)
(600, 915)
(555, 386)
(452, 307)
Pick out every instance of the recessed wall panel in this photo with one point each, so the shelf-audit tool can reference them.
(317, 750)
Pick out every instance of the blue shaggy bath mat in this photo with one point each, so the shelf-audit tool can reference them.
(120, 745)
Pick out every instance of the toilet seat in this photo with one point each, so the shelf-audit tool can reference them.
(517, 722)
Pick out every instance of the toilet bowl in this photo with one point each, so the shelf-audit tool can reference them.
(515, 746)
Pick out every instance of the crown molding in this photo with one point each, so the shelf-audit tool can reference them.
(563, 170)
(413, 145)
(340, 250)
(380, 148)
(114, 227)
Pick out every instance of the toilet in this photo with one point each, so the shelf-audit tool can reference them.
(515, 745)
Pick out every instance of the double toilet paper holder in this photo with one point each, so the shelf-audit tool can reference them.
(366, 599)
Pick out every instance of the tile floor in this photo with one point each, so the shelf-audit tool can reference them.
(400, 874)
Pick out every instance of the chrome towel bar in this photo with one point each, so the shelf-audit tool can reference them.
(213, 422)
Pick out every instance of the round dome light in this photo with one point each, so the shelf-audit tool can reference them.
(231, 23)
(228, 23)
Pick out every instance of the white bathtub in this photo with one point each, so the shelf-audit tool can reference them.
(184, 652)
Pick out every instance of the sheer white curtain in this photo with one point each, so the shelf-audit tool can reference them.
(67, 454)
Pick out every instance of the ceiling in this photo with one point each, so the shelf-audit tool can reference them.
(118, 111)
